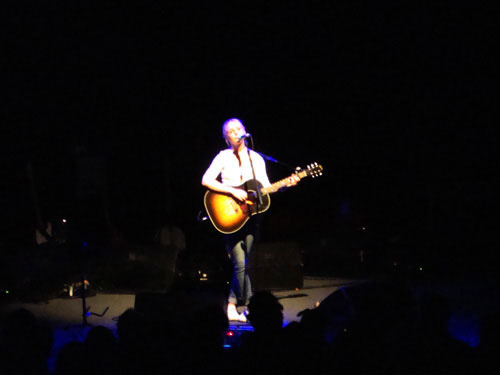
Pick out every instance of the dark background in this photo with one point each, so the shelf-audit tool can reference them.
(118, 106)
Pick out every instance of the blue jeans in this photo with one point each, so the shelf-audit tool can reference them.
(238, 246)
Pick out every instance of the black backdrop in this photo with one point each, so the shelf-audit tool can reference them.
(124, 100)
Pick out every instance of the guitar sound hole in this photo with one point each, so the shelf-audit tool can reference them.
(252, 196)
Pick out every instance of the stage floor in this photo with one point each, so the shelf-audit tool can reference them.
(67, 312)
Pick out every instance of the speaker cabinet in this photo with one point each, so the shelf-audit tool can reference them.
(276, 265)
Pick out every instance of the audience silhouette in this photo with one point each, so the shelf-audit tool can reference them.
(263, 351)
(101, 351)
(71, 359)
(488, 352)
(25, 344)
(378, 328)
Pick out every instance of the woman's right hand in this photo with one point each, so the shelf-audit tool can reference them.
(239, 194)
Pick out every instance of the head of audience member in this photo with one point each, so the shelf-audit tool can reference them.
(265, 313)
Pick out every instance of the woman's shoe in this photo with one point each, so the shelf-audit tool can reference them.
(233, 315)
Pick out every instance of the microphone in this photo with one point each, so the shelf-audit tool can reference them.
(246, 135)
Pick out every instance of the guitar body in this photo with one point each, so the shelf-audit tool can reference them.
(229, 215)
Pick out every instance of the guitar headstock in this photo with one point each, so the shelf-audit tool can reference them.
(313, 170)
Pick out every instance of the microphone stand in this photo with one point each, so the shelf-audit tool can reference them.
(259, 194)
(270, 158)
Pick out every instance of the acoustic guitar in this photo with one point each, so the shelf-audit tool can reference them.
(229, 215)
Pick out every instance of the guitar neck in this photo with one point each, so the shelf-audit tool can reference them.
(281, 183)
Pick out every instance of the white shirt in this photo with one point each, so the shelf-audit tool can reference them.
(232, 173)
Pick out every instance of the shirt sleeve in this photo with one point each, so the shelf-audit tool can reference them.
(215, 168)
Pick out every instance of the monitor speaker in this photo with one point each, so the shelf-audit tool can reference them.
(276, 266)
